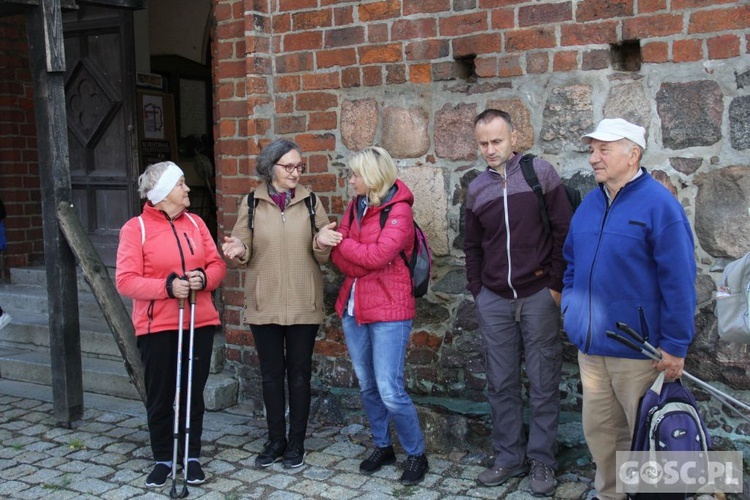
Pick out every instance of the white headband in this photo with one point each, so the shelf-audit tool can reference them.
(167, 182)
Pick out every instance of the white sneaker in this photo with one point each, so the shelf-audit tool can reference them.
(4, 320)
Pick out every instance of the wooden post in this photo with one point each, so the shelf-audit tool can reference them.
(105, 292)
(47, 62)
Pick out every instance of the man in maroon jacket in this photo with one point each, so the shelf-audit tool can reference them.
(514, 270)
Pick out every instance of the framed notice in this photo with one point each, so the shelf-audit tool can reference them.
(157, 136)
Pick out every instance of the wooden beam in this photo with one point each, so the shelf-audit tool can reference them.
(105, 293)
(124, 4)
(54, 174)
(53, 36)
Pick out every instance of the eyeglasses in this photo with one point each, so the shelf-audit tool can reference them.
(300, 167)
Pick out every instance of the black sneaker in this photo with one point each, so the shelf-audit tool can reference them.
(379, 458)
(415, 469)
(195, 473)
(158, 476)
(272, 453)
(294, 456)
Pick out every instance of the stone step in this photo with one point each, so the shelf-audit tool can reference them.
(19, 299)
(102, 376)
(37, 275)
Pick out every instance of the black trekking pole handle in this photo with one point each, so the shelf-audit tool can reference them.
(638, 338)
(632, 345)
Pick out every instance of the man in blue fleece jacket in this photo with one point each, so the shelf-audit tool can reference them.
(514, 270)
(629, 249)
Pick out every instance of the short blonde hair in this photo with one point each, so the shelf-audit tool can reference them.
(378, 171)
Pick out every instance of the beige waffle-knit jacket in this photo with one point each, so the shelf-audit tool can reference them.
(283, 282)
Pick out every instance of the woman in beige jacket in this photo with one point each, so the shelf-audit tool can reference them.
(282, 237)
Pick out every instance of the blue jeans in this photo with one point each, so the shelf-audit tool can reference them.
(378, 351)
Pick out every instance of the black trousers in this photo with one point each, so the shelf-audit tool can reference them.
(285, 352)
(159, 356)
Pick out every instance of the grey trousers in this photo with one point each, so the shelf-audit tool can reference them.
(512, 329)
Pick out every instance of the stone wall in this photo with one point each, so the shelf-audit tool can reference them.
(410, 75)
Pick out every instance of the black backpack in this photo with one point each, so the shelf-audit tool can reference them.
(420, 263)
(252, 203)
(527, 167)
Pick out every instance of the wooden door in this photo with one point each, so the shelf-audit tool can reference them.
(100, 104)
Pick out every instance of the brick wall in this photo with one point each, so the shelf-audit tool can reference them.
(337, 75)
(19, 182)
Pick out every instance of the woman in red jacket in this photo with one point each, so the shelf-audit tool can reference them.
(164, 254)
(376, 305)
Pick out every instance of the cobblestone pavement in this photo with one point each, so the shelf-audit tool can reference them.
(107, 456)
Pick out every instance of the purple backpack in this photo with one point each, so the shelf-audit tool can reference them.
(668, 420)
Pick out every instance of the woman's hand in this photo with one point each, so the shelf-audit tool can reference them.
(327, 236)
(233, 247)
(180, 288)
(195, 280)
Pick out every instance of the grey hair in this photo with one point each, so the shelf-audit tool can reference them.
(272, 154)
(150, 177)
(629, 145)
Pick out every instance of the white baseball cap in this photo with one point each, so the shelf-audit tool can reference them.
(614, 129)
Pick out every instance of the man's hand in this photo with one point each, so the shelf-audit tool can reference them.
(671, 365)
(556, 296)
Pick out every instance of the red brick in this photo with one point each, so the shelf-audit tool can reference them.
(651, 26)
(595, 59)
(342, 37)
(293, 63)
(288, 83)
(395, 74)
(320, 183)
(545, 13)
(693, 4)
(537, 62)
(510, 66)
(565, 61)
(420, 73)
(723, 47)
(478, 44)
(228, 128)
(588, 33)
(231, 29)
(233, 109)
(378, 11)
(309, 40)
(315, 101)
(256, 85)
(491, 4)
(318, 164)
(707, 21)
(486, 67)
(414, 29)
(230, 69)
(594, 10)
(321, 18)
(427, 49)
(380, 53)
(284, 104)
(655, 52)
(282, 23)
(647, 6)
(343, 16)
(326, 120)
(321, 81)
(350, 77)
(426, 6)
(286, 5)
(372, 76)
(377, 33)
(520, 40)
(502, 19)
(687, 50)
(463, 24)
(290, 124)
(336, 57)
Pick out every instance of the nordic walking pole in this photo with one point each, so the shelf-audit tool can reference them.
(176, 426)
(189, 387)
(651, 352)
